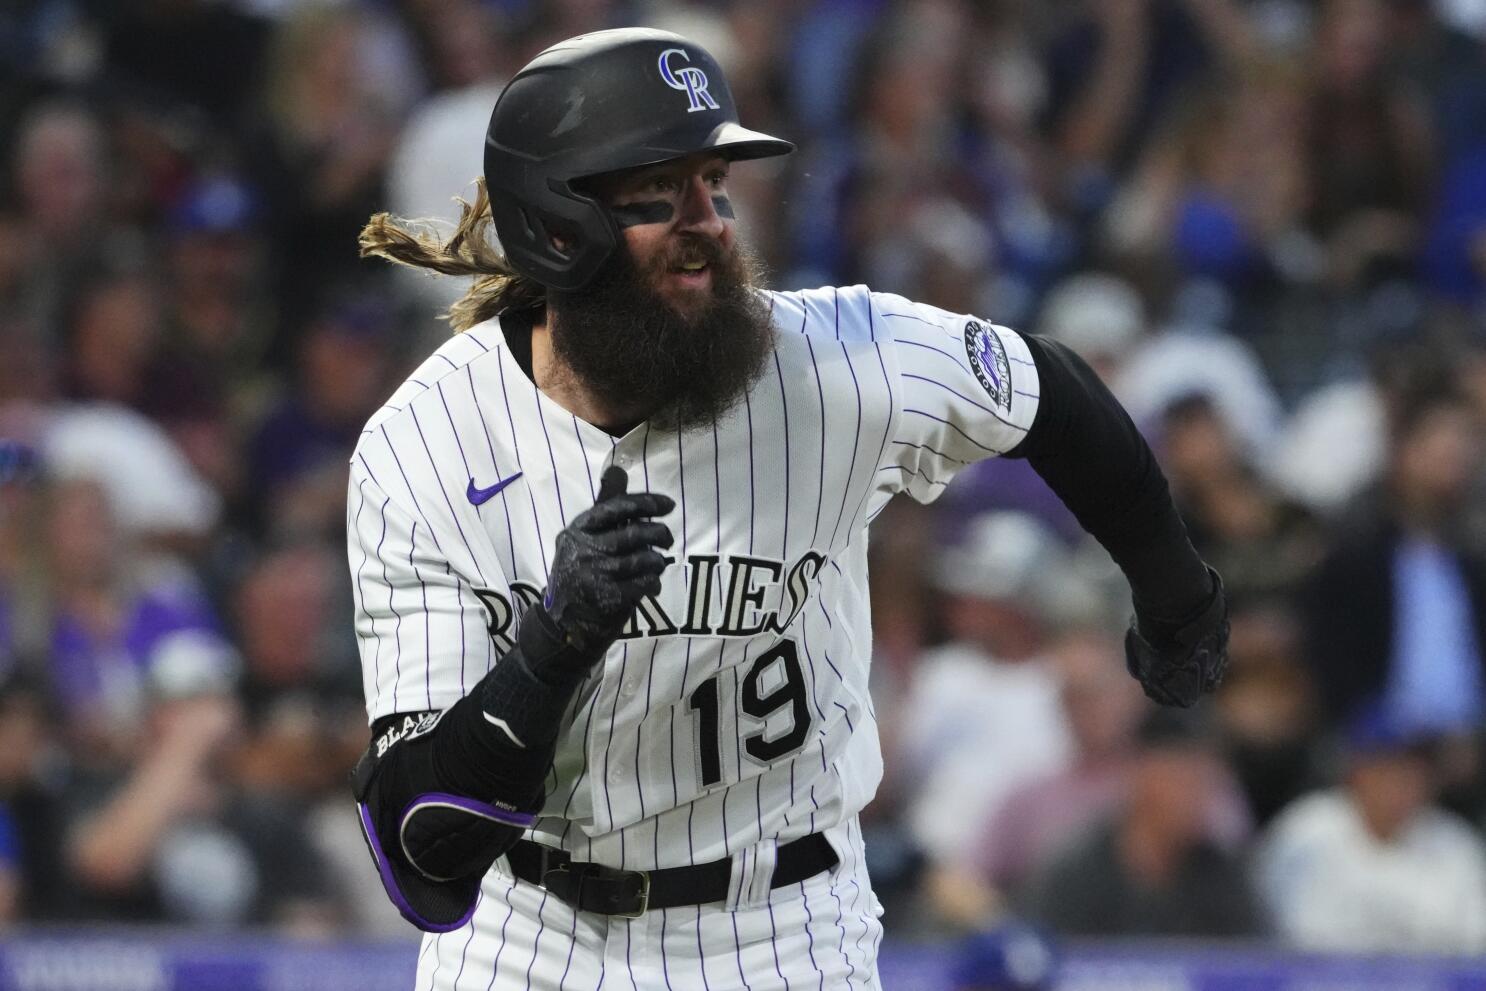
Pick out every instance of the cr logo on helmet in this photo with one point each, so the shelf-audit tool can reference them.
(689, 78)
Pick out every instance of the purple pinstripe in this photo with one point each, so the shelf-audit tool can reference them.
(887, 426)
(774, 943)
(423, 952)
(784, 416)
(738, 952)
(810, 936)
(820, 490)
(665, 968)
(588, 724)
(582, 449)
(397, 629)
(613, 712)
(628, 933)
(516, 449)
(649, 680)
(927, 323)
(855, 443)
(562, 512)
(572, 945)
(438, 958)
(691, 808)
(968, 401)
(857, 898)
(510, 909)
(838, 705)
(479, 895)
(929, 347)
(536, 943)
(932, 450)
(495, 466)
(912, 471)
(956, 429)
(427, 621)
(365, 559)
(443, 490)
(841, 924)
(701, 955)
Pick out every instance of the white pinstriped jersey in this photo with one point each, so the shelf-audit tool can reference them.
(734, 711)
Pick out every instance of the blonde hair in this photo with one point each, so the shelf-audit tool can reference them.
(468, 251)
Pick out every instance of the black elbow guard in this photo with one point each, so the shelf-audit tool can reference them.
(431, 847)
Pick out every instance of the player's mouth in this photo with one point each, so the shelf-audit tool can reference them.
(693, 274)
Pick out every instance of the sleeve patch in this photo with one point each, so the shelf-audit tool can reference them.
(989, 362)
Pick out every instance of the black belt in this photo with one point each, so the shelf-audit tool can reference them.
(610, 891)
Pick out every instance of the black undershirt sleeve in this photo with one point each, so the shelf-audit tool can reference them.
(1087, 449)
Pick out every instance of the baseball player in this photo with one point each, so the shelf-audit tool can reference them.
(608, 546)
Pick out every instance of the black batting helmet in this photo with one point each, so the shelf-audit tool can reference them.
(593, 104)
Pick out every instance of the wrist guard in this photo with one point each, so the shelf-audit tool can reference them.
(441, 795)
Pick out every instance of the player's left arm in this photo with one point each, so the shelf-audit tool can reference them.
(967, 389)
(1085, 446)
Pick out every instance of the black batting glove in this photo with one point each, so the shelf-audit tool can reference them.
(605, 562)
(1179, 662)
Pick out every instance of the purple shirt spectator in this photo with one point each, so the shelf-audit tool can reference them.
(168, 637)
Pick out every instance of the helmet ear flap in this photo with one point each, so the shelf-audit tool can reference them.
(529, 227)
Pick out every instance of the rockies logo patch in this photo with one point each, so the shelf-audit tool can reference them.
(988, 360)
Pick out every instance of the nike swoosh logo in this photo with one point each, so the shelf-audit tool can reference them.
(476, 496)
(504, 727)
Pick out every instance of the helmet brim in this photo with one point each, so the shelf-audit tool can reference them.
(733, 141)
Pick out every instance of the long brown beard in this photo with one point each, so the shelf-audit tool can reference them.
(635, 351)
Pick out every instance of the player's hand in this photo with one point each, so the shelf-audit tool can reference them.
(605, 562)
(1178, 664)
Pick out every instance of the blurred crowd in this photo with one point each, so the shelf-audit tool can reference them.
(1262, 221)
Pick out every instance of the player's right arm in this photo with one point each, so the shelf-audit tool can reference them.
(443, 795)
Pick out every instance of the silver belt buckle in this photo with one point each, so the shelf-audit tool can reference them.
(644, 897)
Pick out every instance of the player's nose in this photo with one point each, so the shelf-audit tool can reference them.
(698, 213)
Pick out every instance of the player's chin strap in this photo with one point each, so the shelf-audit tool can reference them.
(442, 795)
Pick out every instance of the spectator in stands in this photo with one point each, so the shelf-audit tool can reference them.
(1370, 146)
(112, 339)
(111, 616)
(1397, 611)
(298, 453)
(1041, 816)
(330, 131)
(1262, 544)
(1373, 865)
(982, 712)
(59, 166)
(466, 48)
(1216, 195)
(301, 690)
(1267, 707)
(162, 833)
(1150, 869)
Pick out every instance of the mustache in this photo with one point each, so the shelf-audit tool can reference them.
(690, 249)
